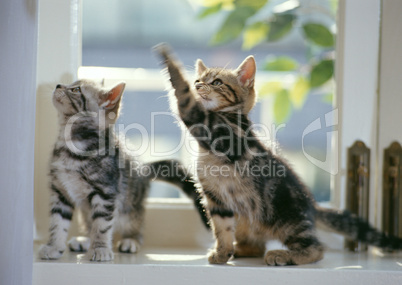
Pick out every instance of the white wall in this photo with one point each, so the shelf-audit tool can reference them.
(18, 30)
(59, 56)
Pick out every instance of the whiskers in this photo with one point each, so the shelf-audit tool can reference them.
(163, 96)
(227, 64)
(220, 89)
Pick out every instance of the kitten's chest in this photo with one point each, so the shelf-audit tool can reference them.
(230, 185)
(66, 175)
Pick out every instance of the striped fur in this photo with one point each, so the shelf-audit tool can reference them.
(247, 203)
(90, 171)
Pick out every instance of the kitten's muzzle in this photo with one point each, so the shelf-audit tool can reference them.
(203, 90)
(204, 95)
(58, 94)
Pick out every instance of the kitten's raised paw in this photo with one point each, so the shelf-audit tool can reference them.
(215, 257)
(50, 252)
(163, 50)
(100, 254)
(128, 245)
(278, 257)
(79, 244)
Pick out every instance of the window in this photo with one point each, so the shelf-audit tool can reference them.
(121, 46)
(129, 29)
(357, 78)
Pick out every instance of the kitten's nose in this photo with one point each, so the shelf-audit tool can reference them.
(198, 86)
(58, 86)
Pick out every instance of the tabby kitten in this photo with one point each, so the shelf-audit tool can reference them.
(247, 203)
(85, 173)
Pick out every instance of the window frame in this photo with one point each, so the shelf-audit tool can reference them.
(357, 121)
(52, 69)
(50, 73)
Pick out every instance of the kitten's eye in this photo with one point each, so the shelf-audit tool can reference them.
(76, 90)
(216, 82)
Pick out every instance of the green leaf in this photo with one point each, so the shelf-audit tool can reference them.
(318, 34)
(334, 6)
(282, 106)
(299, 91)
(328, 98)
(280, 26)
(209, 11)
(233, 25)
(270, 88)
(254, 34)
(287, 6)
(226, 4)
(281, 63)
(255, 4)
(321, 72)
(236, 21)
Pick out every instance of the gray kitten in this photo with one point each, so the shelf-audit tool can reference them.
(86, 173)
(257, 196)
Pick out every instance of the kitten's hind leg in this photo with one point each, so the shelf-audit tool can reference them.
(129, 245)
(246, 244)
(249, 249)
(304, 247)
(130, 228)
(79, 244)
(82, 243)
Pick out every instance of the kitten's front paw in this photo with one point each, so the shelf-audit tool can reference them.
(278, 257)
(129, 245)
(50, 252)
(222, 257)
(100, 254)
(79, 244)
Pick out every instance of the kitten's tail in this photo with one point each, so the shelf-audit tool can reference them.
(173, 172)
(355, 228)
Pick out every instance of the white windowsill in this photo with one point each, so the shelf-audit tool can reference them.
(175, 250)
(190, 266)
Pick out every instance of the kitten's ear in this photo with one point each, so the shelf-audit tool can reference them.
(199, 67)
(113, 96)
(246, 72)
